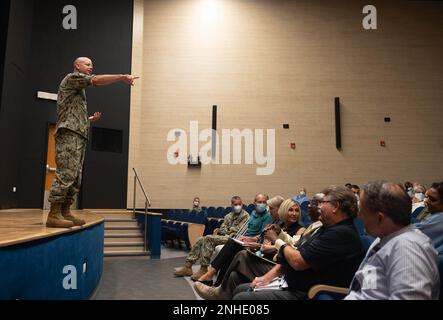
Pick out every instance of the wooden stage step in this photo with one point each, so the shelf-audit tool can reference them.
(124, 244)
(123, 235)
(123, 238)
(122, 227)
(117, 234)
(125, 252)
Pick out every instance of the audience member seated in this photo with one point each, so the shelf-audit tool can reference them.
(301, 196)
(204, 246)
(432, 225)
(356, 189)
(401, 263)
(408, 186)
(259, 219)
(418, 197)
(246, 265)
(330, 256)
(196, 205)
(273, 205)
(282, 237)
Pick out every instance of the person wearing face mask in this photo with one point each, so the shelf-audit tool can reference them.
(245, 266)
(258, 220)
(418, 197)
(330, 256)
(196, 205)
(205, 246)
(301, 196)
(408, 187)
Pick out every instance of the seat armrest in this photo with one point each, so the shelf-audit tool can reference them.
(313, 291)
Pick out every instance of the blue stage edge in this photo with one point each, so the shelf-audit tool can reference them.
(67, 266)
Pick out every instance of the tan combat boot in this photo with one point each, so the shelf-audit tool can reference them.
(55, 218)
(66, 212)
(199, 273)
(185, 271)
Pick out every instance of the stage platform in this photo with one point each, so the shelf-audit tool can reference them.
(39, 263)
(24, 225)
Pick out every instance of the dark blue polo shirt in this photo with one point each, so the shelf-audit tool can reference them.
(334, 254)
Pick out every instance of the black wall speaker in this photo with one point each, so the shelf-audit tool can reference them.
(214, 117)
(214, 128)
(337, 124)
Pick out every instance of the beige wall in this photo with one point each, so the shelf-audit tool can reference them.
(265, 63)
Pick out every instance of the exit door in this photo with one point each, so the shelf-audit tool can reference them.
(51, 168)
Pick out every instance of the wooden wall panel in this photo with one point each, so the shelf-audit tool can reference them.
(265, 63)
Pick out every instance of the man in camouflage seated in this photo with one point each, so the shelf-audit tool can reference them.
(204, 247)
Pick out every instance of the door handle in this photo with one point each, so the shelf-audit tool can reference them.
(49, 169)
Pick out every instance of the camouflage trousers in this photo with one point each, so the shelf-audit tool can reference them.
(204, 247)
(70, 150)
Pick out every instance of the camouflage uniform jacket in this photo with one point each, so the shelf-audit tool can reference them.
(233, 222)
(72, 112)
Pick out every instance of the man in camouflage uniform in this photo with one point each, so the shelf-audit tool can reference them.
(71, 136)
(204, 247)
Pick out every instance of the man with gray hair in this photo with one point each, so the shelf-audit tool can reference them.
(204, 247)
(330, 256)
(71, 137)
(402, 262)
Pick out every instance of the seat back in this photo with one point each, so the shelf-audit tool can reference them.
(219, 212)
(305, 217)
(440, 270)
(210, 211)
(250, 208)
(416, 212)
(358, 223)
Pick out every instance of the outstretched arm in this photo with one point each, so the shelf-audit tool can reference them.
(106, 79)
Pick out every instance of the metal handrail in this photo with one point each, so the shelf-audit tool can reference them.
(147, 202)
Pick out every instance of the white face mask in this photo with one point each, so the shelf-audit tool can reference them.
(302, 193)
(237, 209)
(419, 196)
(410, 192)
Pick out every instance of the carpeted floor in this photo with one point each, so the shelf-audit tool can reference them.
(142, 279)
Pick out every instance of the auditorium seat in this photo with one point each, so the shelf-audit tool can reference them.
(184, 225)
(250, 208)
(416, 213)
(440, 270)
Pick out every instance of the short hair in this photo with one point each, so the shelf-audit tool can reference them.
(408, 184)
(345, 199)
(195, 198)
(389, 198)
(439, 187)
(348, 185)
(261, 194)
(284, 209)
(355, 186)
(235, 198)
(418, 188)
(275, 202)
(317, 197)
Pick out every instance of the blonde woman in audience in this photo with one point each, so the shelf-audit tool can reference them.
(246, 265)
